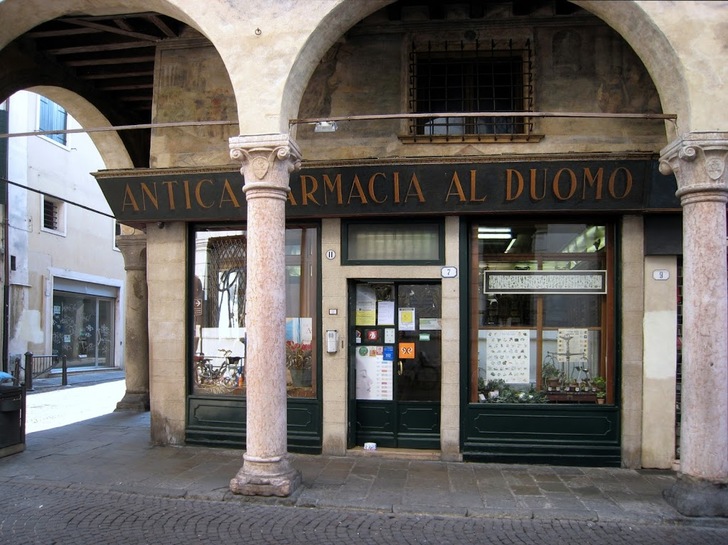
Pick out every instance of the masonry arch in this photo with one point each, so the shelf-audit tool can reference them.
(329, 29)
(630, 19)
(109, 143)
(658, 55)
(24, 67)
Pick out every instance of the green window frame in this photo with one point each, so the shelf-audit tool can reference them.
(413, 242)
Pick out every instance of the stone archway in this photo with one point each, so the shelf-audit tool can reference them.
(108, 143)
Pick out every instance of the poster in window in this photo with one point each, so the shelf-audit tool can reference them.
(373, 373)
(385, 312)
(366, 306)
(507, 355)
(407, 319)
(572, 345)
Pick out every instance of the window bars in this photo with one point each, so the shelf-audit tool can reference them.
(469, 79)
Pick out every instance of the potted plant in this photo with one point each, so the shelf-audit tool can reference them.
(599, 384)
(298, 362)
(552, 376)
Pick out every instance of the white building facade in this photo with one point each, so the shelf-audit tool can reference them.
(65, 274)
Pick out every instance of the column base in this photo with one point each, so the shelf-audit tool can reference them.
(274, 477)
(131, 401)
(694, 497)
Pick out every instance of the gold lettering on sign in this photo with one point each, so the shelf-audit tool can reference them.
(627, 183)
(170, 192)
(333, 187)
(534, 196)
(306, 194)
(542, 185)
(151, 196)
(228, 190)
(473, 190)
(590, 179)
(356, 188)
(455, 188)
(129, 200)
(414, 189)
(557, 185)
(511, 194)
(372, 194)
(198, 194)
(395, 182)
(188, 197)
(564, 185)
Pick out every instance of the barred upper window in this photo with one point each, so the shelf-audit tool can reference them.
(53, 215)
(470, 78)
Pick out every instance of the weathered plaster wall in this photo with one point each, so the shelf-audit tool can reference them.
(632, 311)
(191, 84)
(660, 359)
(166, 278)
(586, 68)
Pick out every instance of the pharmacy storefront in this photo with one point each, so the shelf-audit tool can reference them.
(462, 306)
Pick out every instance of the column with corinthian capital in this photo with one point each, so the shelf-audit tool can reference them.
(267, 161)
(698, 161)
(136, 328)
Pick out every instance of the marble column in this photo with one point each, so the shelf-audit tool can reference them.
(698, 161)
(136, 330)
(267, 161)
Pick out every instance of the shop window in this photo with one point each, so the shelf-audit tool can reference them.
(541, 319)
(83, 329)
(52, 117)
(218, 308)
(392, 243)
(469, 78)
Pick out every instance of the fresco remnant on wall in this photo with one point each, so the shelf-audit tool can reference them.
(192, 85)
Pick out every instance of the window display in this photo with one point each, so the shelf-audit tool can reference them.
(541, 317)
(83, 329)
(218, 308)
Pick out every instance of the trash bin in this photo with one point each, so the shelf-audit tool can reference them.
(12, 419)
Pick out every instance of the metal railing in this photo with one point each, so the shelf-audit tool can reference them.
(35, 366)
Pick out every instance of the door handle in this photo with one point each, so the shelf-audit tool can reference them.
(399, 370)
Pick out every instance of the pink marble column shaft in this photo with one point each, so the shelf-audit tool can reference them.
(698, 161)
(267, 162)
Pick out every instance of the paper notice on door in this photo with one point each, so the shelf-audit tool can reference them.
(385, 313)
(430, 324)
(407, 319)
(366, 306)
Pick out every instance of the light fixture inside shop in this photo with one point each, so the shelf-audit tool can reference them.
(325, 126)
(494, 233)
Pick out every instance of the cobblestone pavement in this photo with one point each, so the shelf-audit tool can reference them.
(88, 475)
(48, 514)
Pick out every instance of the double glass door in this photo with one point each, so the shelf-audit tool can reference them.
(83, 329)
(395, 364)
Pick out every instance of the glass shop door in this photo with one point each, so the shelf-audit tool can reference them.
(395, 364)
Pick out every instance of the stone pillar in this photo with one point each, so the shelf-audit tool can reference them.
(136, 330)
(267, 162)
(699, 163)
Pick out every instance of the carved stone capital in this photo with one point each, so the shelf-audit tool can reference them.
(267, 162)
(698, 161)
(134, 250)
